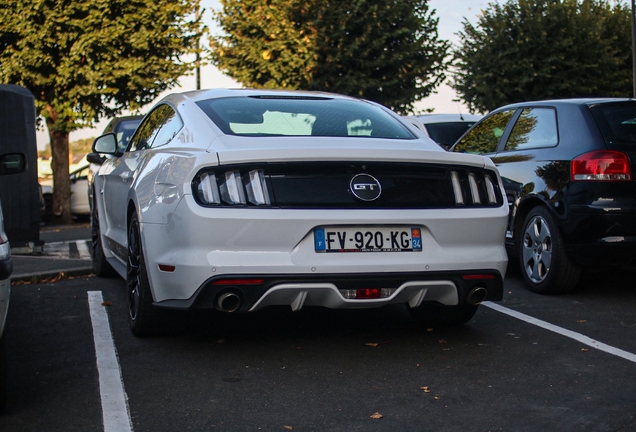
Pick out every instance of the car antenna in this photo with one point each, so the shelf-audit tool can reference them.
(461, 117)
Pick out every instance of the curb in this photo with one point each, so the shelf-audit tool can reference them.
(76, 271)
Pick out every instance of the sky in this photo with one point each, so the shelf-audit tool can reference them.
(451, 13)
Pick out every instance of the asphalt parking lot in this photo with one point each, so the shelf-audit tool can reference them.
(568, 363)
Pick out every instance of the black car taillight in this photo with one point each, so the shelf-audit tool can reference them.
(601, 165)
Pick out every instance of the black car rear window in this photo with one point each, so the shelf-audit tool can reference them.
(302, 116)
(616, 121)
(448, 133)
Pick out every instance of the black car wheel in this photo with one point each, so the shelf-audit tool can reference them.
(144, 318)
(101, 267)
(442, 315)
(546, 268)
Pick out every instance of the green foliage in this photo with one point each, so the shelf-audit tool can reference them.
(46, 153)
(81, 146)
(85, 59)
(541, 49)
(388, 52)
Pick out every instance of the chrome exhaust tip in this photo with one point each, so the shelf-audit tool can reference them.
(476, 295)
(228, 302)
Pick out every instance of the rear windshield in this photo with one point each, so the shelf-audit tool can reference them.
(617, 122)
(448, 133)
(294, 116)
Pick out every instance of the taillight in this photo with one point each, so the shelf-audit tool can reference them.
(232, 188)
(601, 165)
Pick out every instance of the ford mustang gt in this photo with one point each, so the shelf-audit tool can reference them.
(237, 200)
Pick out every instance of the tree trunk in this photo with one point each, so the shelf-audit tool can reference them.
(61, 181)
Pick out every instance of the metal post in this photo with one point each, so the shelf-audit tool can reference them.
(197, 70)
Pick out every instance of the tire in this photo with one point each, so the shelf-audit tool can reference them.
(48, 208)
(101, 267)
(144, 318)
(438, 315)
(545, 267)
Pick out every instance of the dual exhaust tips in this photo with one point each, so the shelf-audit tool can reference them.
(231, 302)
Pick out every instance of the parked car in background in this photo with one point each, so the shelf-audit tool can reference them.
(6, 268)
(79, 194)
(566, 168)
(444, 129)
(123, 127)
(237, 200)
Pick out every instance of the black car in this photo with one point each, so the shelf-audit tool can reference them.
(123, 127)
(566, 169)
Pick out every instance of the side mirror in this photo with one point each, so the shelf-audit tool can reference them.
(12, 163)
(95, 158)
(106, 144)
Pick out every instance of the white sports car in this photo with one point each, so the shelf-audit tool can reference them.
(241, 199)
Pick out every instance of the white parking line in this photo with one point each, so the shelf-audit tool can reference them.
(564, 332)
(82, 248)
(111, 386)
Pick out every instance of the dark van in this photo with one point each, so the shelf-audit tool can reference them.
(20, 192)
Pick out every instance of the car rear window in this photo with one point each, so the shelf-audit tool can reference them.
(447, 133)
(617, 122)
(301, 116)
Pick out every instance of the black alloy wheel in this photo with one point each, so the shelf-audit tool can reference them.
(143, 317)
(545, 266)
(101, 267)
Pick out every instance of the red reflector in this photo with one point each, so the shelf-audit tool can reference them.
(166, 268)
(478, 276)
(601, 165)
(368, 293)
(239, 282)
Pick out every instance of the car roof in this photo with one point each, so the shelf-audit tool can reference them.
(198, 95)
(445, 118)
(569, 102)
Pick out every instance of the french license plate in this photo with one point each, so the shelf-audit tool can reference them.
(368, 239)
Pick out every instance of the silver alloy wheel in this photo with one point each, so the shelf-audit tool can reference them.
(537, 249)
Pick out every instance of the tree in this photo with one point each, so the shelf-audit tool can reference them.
(388, 52)
(87, 59)
(542, 49)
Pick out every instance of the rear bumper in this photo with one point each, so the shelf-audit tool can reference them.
(297, 291)
(601, 236)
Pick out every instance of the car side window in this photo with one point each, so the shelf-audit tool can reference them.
(148, 129)
(172, 124)
(535, 128)
(485, 136)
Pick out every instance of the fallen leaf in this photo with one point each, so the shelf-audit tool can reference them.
(436, 398)
(581, 321)
(584, 349)
(288, 427)
(372, 344)
(377, 415)
(442, 341)
(426, 389)
(107, 303)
